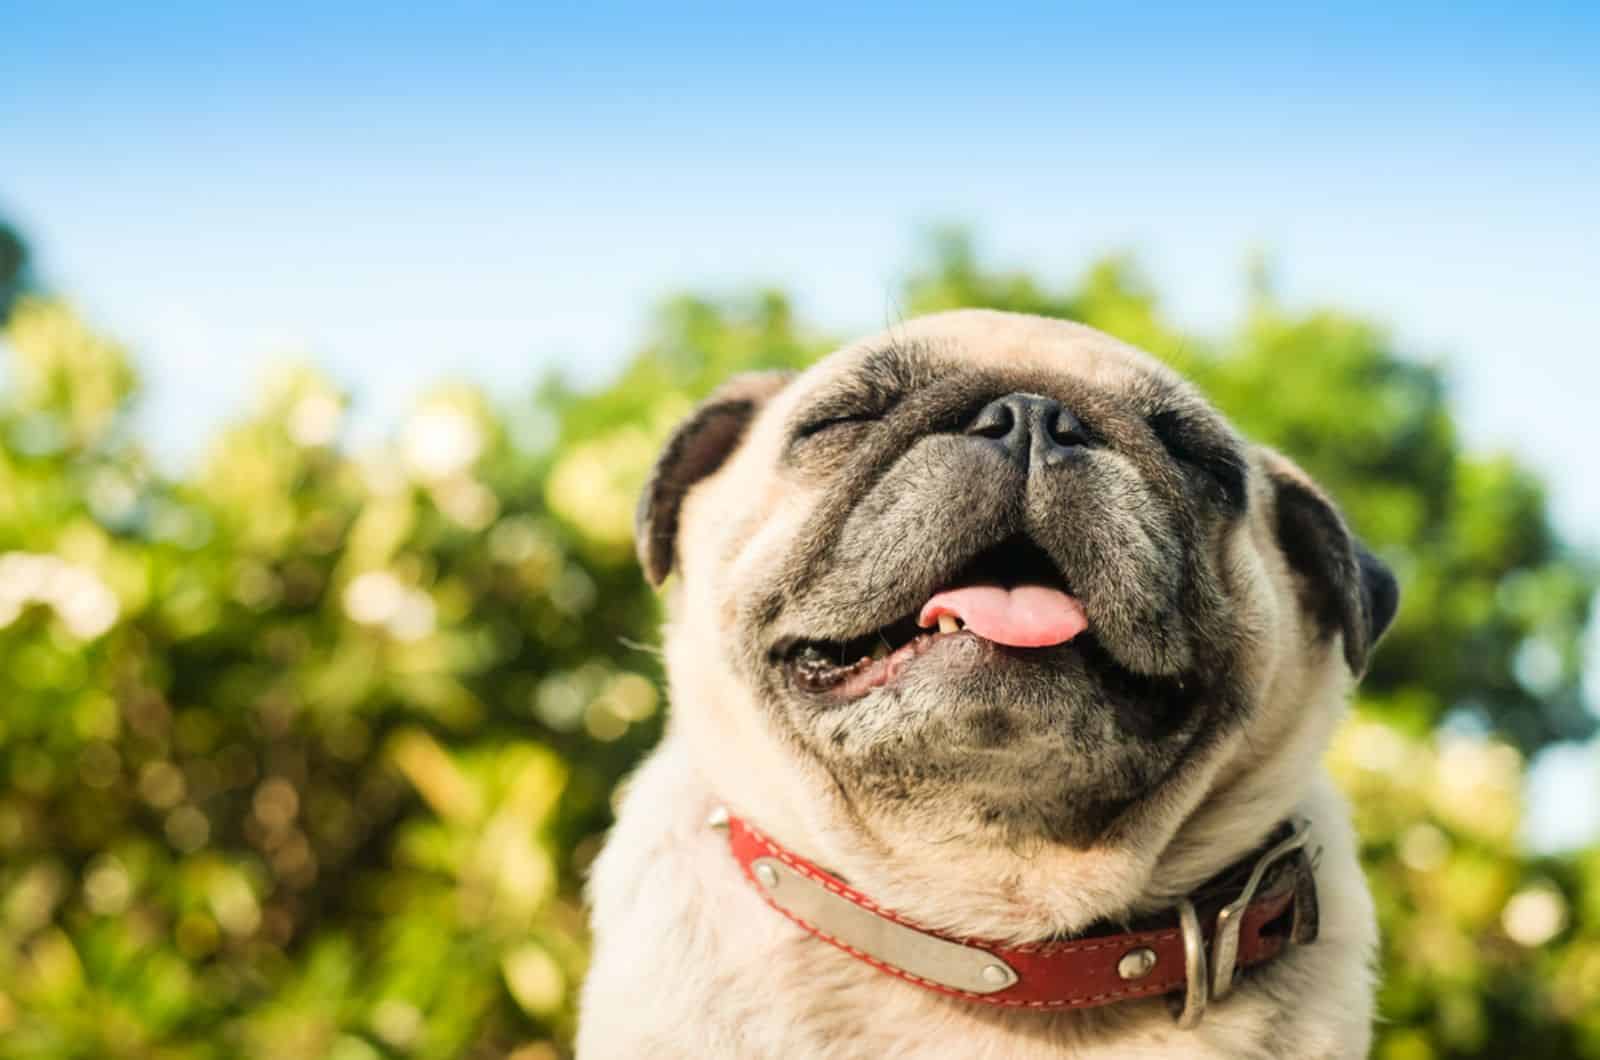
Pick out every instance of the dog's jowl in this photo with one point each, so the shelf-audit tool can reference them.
(1001, 667)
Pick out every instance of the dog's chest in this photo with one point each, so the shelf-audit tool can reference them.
(690, 961)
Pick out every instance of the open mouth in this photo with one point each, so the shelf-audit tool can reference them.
(1011, 594)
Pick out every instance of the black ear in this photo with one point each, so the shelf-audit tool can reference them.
(1347, 588)
(697, 447)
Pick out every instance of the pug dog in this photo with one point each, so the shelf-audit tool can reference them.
(997, 644)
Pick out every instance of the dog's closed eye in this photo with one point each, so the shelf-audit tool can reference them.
(826, 422)
(871, 392)
(1189, 443)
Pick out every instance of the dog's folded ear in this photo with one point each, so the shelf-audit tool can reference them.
(1343, 585)
(698, 446)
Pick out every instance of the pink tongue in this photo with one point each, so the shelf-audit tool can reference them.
(1029, 616)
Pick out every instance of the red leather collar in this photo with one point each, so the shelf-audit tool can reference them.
(1243, 917)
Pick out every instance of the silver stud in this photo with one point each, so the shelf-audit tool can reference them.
(718, 818)
(1136, 964)
(767, 875)
(993, 973)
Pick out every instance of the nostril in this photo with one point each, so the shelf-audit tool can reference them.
(1066, 429)
(995, 421)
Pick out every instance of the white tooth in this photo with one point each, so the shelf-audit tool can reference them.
(948, 624)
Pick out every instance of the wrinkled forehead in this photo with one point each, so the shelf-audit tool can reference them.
(1014, 343)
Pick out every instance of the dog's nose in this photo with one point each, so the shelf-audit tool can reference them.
(1030, 428)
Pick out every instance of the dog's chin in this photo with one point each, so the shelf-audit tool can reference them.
(973, 738)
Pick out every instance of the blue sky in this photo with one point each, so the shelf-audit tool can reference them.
(488, 191)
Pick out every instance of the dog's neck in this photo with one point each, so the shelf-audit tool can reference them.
(979, 886)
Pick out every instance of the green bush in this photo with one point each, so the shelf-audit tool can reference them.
(303, 753)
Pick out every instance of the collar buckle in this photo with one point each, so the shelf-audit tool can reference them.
(1201, 987)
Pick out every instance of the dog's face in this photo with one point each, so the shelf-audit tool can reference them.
(997, 572)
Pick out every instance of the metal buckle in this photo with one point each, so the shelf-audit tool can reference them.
(1200, 988)
(1194, 967)
(1225, 944)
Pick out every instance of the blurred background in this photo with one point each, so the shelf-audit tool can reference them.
(336, 344)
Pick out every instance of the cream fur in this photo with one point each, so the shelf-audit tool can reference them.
(689, 961)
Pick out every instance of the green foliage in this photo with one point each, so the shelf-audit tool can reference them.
(304, 753)
(13, 267)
